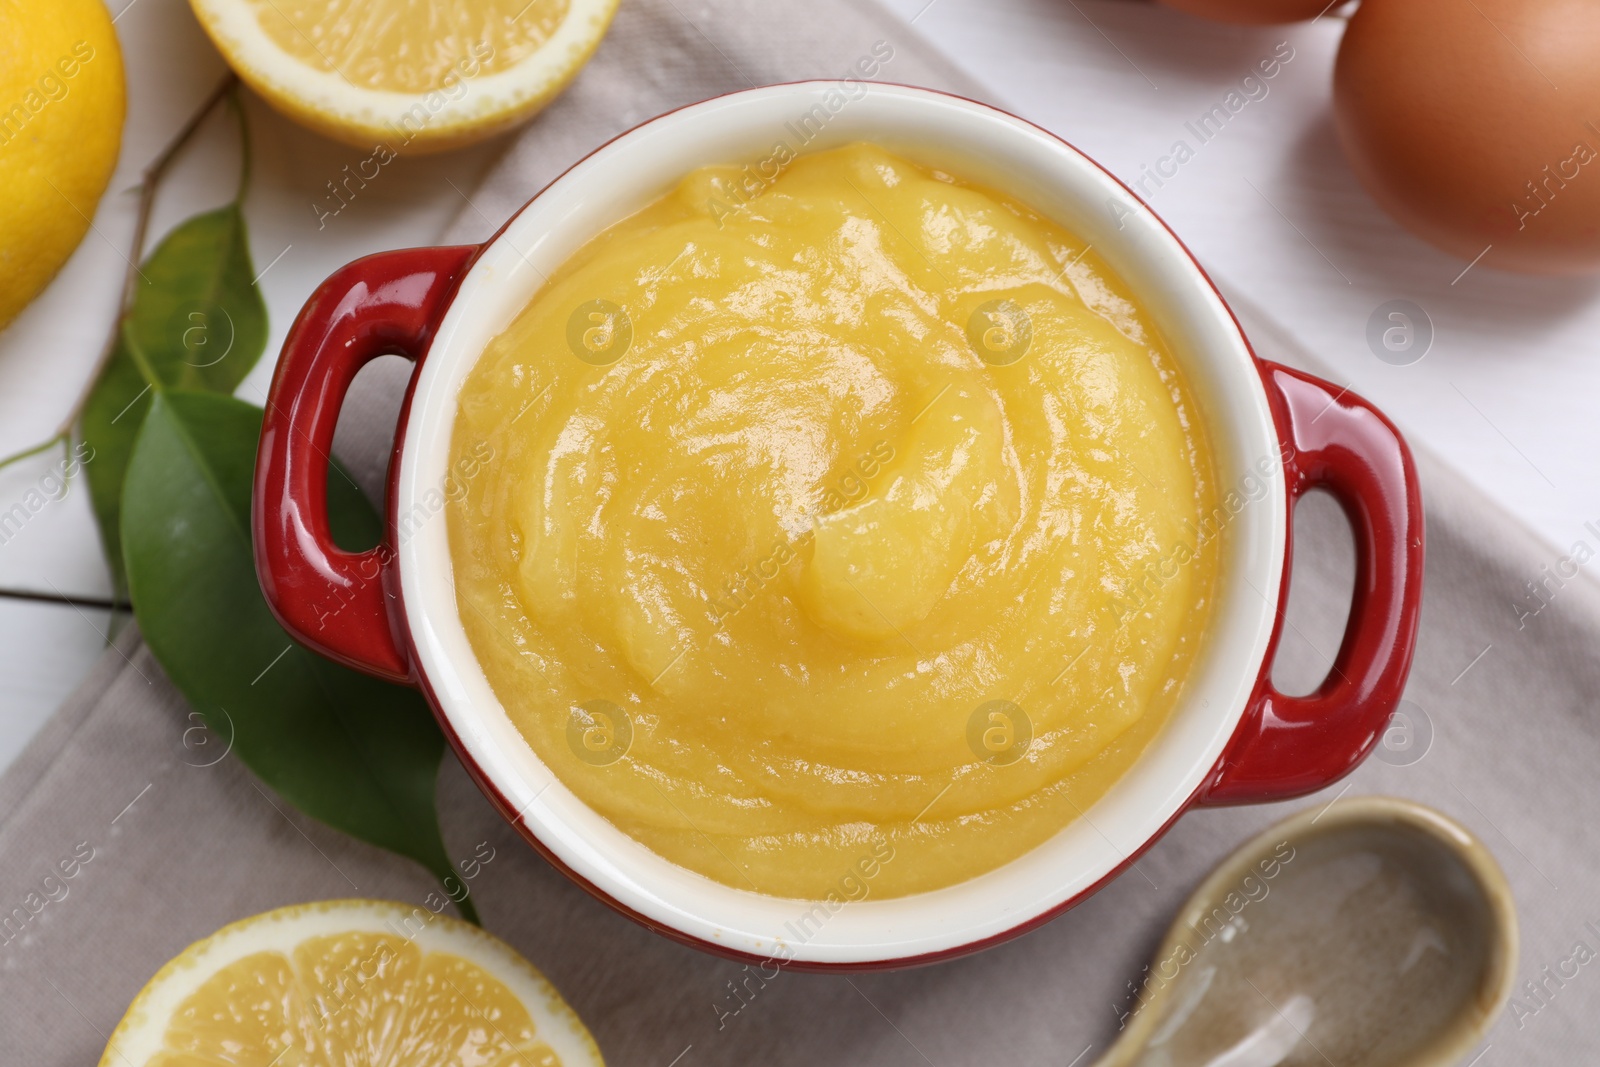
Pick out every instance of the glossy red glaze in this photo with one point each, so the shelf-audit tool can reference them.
(1288, 746)
(334, 601)
(1282, 747)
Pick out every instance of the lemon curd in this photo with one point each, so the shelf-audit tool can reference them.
(845, 530)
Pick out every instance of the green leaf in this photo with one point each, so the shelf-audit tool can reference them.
(199, 323)
(111, 419)
(357, 753)
(197, 316)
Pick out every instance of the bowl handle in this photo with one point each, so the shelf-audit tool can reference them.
(1287, 746)
(333, 601)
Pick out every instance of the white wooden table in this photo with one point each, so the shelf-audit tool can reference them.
(1505, 391)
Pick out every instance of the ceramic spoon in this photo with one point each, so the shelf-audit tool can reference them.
(1375, 932)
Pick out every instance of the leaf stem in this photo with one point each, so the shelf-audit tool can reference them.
(148, 183)
(33, 450)
(140, 360)
(245, 157)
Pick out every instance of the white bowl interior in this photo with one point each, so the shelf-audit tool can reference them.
(980, 144)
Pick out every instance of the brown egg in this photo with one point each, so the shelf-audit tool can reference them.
(1473, 123)
(1254, 12)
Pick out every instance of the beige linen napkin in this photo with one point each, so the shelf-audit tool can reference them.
(178, 842)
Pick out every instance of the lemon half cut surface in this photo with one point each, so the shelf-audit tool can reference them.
(409, 76)
(350, 983)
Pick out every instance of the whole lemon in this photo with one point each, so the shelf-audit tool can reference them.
(61, 107)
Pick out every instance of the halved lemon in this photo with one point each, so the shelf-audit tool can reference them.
(349, 982)
(409, 76)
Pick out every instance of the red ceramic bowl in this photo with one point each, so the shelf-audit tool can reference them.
(1276, 433)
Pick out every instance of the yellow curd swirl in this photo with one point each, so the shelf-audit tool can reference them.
(836, 533)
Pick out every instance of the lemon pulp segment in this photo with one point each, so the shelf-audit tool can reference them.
(405, 77)
(349, 984)
(408, 46)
